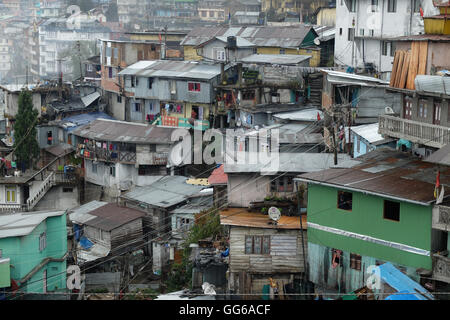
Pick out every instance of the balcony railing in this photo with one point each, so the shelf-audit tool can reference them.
(100, 154)
(417, 132)
(441, 267)
(160, 158)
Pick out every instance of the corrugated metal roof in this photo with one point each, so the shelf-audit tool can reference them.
(218, 176)
(409, 289)
(294, 162)
(173, 69)
(240, 42)
(243, 218)
(166, 192)
(81, 214)
(388, 173)
(300, 115)
(369, 132)
(121, 131)
(441, 156)
(197, 205)
(280, 59)
(350, 78)
(90, 98)
(60, 149)
(22, 224)
(112, 216)
(435, 84)
(73, 122)
(263, 36)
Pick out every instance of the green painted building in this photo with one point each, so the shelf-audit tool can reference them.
(377, 211)
(33, 246)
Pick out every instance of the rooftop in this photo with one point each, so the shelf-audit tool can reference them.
(126, 132)
(339, 77)
(22, 224)
(218, 176)
(243, 218)
(105, 216)
(386, 173)
(172, 69)
(309, 114)
(279, 59)
(165, 192)
(369, 132)
(72, 122)
(262, 36)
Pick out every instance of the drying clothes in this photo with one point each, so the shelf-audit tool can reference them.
(178, 108)
(110, 147)
(104, 145)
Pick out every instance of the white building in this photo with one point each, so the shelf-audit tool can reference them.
(365, 28)
(59, 34)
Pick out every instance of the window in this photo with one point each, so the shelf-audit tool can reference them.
(67, 189)
(89, 68)
(194, 86)
(345, 200)
(137, 107)
(183, 223)
(392, 5)
(358, 144)
(355, 261)
(119, 98)
(416, 5)
(392, 49)
(204, 14)
(371, 32)
(248, 95)
(110, 72)
(391, 210)
(49, 137)
(148, 170)
(1, 252)
(220, 55)
(351, 34)
(211, 14)
(257, 244)
(282, 51)
(352, 5)
(384, 48)
(11, 194)
(374, 5)
(42, 241)
(94, 167)
(422, 111)
(112, 171)
(282, 184)
(150, 82)
(361, 32)
(153, 148)
(437, 113)
(340, 31)
(336, 258)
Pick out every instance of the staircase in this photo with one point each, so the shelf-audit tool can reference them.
(48, 182)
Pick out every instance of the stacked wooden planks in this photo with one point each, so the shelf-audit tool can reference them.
(408, 64)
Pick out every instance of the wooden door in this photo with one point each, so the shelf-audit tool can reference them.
(437, 113)
(407, 108)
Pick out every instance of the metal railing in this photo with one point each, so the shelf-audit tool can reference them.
(441, 267)
(417, 132)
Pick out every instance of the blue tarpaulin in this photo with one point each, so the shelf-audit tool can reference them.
(77, 231)
(85, 243)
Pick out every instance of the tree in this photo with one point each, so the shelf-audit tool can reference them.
(25, 134)
(111, 13)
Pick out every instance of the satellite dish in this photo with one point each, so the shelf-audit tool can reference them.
(316, 41)
(274, 214)
(389, 110)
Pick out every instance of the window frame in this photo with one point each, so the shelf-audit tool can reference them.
(264, 244)
(354, 258)
(42, 241)
(385, 201)
(391, 6)
(192, 86)
(351, 204)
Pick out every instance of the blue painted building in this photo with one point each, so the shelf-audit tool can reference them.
(366, 138)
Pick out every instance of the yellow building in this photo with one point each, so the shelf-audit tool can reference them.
(267, 40)
(439, 24)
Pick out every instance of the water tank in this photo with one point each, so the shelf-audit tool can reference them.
(231, 42)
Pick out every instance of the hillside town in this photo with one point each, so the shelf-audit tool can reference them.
(224, 150)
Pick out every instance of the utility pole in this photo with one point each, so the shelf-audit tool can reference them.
(79, 57)
(334, 145)
(299, 202)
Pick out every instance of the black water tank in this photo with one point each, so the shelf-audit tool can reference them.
(231, 41)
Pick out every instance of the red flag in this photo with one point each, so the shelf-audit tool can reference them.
(318, 116)
(421, 12)
(436, 187)
(159, 35)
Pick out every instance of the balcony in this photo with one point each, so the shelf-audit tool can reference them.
(417, 132)
(441, 267)
(100, 154)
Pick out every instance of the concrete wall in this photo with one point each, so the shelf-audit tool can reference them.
(59, 198)
(244, 188)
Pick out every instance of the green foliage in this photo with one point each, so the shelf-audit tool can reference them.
(98, 290)
(142, 294)
(181, 273)
(264, 210)
(25, 133)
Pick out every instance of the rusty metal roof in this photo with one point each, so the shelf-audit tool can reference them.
(218, 176)
(423, 37)
(388, 173)
(112, 216)
(243, 218)
(127, 132)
